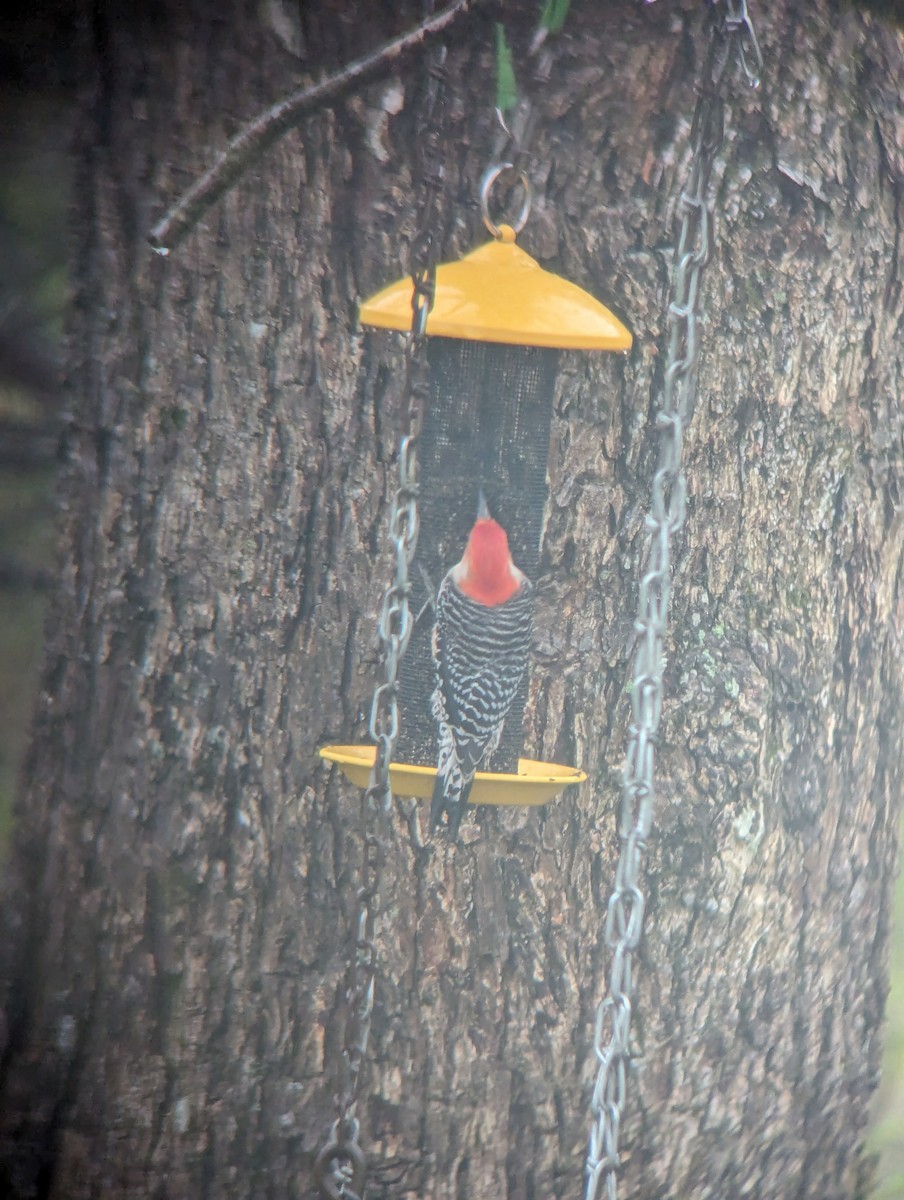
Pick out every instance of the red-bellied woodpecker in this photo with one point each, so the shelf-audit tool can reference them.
(481, 640)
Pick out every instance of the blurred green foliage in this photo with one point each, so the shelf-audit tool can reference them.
(21, 624)
(34, 189)
(887, 1134)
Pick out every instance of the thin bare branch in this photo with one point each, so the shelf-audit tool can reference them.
(269, 126)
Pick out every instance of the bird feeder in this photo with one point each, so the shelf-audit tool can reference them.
(494, 333)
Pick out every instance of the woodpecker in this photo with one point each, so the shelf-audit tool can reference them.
(481, 640)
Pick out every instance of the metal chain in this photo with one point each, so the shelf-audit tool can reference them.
(340, 1169)
(732, 36)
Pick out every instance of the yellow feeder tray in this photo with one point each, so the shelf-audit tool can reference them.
(535, 783)
(497, 293)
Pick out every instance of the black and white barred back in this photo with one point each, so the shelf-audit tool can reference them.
(480, 654)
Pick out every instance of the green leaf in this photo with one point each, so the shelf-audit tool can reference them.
(554, 14)
(506, 87)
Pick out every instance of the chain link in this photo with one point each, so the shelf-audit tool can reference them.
(731, 36)
(340, 1169)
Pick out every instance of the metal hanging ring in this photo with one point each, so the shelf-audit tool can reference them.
(338, 1154)
(486, 187)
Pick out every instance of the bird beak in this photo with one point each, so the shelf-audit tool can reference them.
(483, 513)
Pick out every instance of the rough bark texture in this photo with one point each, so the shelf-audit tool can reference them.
(182, 885)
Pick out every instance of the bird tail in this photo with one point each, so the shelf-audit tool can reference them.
(450, 799)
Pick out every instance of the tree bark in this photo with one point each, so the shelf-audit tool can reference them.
(180, 892)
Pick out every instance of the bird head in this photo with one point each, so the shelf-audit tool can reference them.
(489, 575)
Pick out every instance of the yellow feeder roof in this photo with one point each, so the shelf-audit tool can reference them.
(497, 293)
(535, 782)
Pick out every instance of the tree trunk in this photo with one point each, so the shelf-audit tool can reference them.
(182, 886)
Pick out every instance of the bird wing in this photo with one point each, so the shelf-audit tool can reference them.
(481, 654)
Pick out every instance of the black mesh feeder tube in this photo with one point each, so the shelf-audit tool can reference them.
(494, 333)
